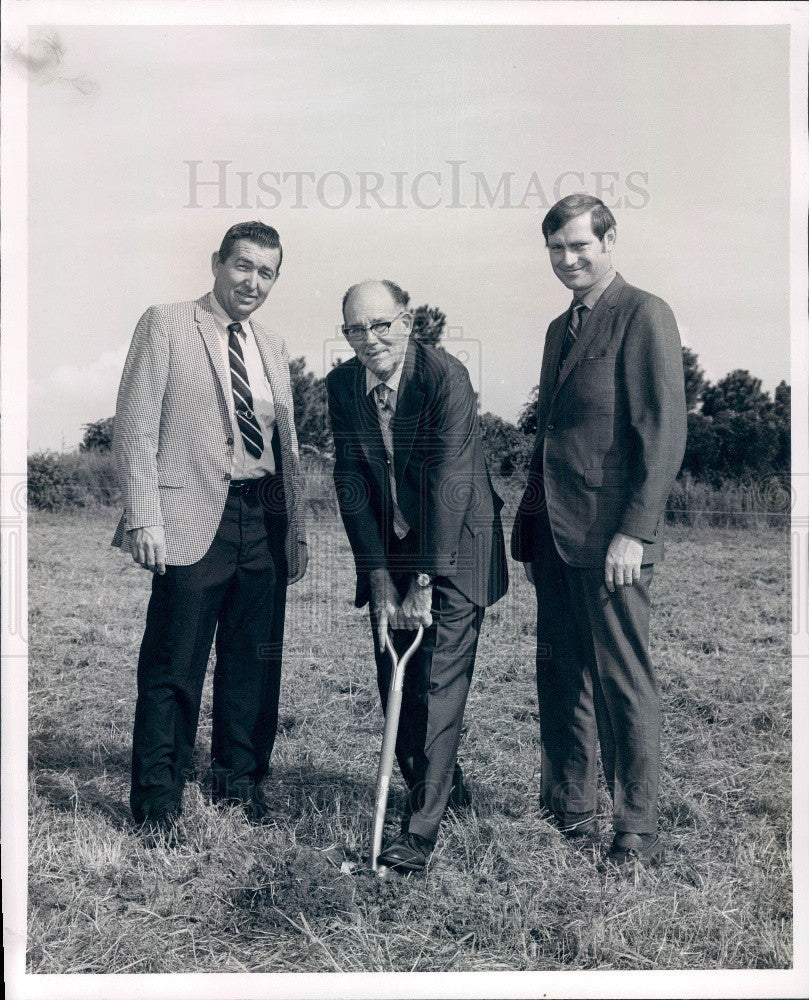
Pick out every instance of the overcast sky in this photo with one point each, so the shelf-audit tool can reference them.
(686, 129)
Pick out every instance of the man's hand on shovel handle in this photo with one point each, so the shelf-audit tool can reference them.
(384, 604)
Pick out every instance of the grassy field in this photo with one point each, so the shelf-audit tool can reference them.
(503, 890)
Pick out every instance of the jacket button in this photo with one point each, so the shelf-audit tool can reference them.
(227, 477)
(229, 442)
(549, 427)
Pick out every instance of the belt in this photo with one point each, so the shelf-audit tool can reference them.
(246, 487)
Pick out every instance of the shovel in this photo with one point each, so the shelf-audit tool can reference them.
(389, 741)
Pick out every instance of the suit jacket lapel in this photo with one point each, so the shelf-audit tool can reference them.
(213, 343)
(408, 409)
(368, 432)
(595, 323)
(550, 365)
(270, 364)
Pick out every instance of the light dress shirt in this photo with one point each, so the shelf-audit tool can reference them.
(244, 466)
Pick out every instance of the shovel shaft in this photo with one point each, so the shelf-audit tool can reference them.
(386, 754)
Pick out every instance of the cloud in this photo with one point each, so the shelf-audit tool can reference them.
(84, 380)
(71, 395)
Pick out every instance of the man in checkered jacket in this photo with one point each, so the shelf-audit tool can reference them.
(207, 460)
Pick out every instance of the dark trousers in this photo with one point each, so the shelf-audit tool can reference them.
(595, 682)
(237, 589)
(436, 685)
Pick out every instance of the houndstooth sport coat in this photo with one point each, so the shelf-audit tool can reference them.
(173, 441)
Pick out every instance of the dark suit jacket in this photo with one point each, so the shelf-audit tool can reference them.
(610, 432)
(442, 483)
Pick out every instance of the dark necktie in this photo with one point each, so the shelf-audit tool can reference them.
(242, 397)
(385, 411)
(572, 332)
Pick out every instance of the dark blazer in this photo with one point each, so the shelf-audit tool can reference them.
(610, 432)
(442, 483)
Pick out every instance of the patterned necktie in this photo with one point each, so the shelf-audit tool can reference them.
(385, 411)
(242, 397)
(572, 333)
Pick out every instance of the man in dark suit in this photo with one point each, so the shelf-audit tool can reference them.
(207, 460)
(424, 525)
(611, 426)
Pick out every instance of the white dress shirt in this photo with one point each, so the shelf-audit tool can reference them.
(400, 525)
(392, 382)
(244, 466)
(592, 295)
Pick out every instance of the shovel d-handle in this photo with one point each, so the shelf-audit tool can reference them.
(392, 712)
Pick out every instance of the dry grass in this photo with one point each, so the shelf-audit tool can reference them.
(503, 890)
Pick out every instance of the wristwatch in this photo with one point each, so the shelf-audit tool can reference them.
(424, 580)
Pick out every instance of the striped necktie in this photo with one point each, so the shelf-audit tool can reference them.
(572, 332)
(385, 411)
(242, 397)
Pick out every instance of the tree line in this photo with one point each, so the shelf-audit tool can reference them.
(737, 432)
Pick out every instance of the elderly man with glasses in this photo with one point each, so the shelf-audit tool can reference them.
(424, 525)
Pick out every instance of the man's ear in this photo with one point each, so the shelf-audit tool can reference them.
(215, 262)
(609, 239)
(407, 319)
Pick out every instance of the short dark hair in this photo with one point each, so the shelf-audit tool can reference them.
(399, 295)
(255, 232)
(574, 205)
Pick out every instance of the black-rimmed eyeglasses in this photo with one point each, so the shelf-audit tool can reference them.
(378, 329)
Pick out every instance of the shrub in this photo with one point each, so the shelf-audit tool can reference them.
(94, 477)
(50, 482)
(75, 479)
(506, 448)
(98, 435)
(85, 479)
(747, 504)
(318, 476)
(310, 407)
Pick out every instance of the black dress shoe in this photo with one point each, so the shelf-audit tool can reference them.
(159, 829)
(258, 811)
(631, 849)
(409, 852)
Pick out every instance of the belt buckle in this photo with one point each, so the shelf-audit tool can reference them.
(240, 486)
(246, 487)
